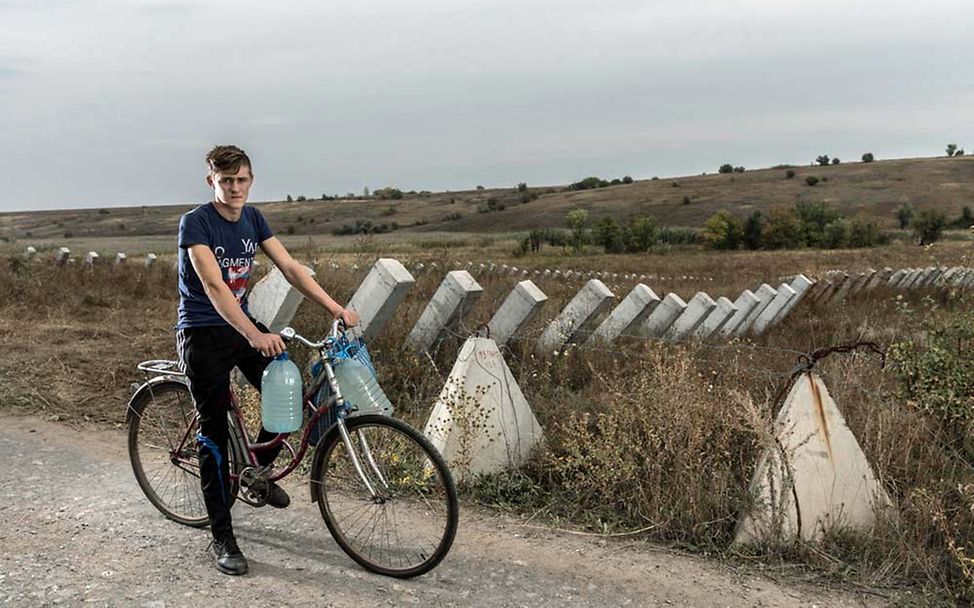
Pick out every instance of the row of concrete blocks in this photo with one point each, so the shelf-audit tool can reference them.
(62, 257)
(836, 286)
(583, 320)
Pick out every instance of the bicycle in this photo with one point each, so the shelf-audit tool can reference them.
(385, 493)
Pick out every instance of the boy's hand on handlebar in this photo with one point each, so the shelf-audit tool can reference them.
(349, 317)
(269, 345)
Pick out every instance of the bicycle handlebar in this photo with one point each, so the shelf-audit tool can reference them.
(337, 327)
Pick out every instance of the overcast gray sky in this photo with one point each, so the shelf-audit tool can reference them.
(114, 102)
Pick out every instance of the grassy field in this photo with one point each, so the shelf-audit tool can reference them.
(868, 190)
(642, 435)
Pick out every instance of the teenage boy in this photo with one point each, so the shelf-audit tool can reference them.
(215, 332)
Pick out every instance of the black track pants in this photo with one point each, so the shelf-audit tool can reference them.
(208, 354)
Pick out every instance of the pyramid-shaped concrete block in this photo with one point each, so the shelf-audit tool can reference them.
(578, 317)
(628, 315)
(273, 301)
(814, 478)
(481, 422)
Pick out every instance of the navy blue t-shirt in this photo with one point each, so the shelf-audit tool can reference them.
(232, 243)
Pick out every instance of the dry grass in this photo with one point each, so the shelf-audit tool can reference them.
(643, 435)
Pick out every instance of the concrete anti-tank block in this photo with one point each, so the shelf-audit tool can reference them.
(273, 301)
(628, 315)
(666, 312)
(520, 306)
(380, 293)
(745, 304)
(578, 317)
(718, 317)
(454, 298)
(699, 306)
(814, 478)
(802, 286)
(766, 294)
(781, 299)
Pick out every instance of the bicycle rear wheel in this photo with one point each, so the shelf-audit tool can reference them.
(408, 526)
(164, 454)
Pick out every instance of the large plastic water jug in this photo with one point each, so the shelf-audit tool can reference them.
(360, 388)
(280, 396)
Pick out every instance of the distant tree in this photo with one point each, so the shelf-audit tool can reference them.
(738, 169)
(928, 226)
(966, 219)
(951, 149)
(726, 168)
(389, 193)
(522, 187)
(868, 157)
(576, 219)
(640, 234)
(959, 152)
(790, 173)
(814, 218)
(608, 234)
(782, 230)
(302, 198)
(723, 231)
(753, 226)
(822, 159)
(904, 214)
(365, 192)
(811, 180)
(627, 179)
(589, 183)
(479, 187)
(836, 161)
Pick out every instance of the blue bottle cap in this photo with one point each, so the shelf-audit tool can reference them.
(281, 357)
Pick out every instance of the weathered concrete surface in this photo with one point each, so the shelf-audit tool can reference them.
(666, 312)
(781, 299)
(766, 294)
(93, 539)
(578, 317)
(699, 306)
(720, 315)
(454, 298)
(802, 287)
(817, 459)
(273, 301)
(379, 295)
(517, 310)
(745, 304)
(628, 315)
(481, 393)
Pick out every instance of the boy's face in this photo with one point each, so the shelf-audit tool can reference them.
(231, 189)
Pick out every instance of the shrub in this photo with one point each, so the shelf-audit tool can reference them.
(951, 149)
(811, 180)
(790, 173)
(814, 217)
(390, 210)
(823, 159)
(289, 198)
(576, 219)
(679, 236)
(723, 231)
(589, 183)
(863, 233)
(522, 187)
(753, 227)
(959, 152)
(302, 198)
(388, 193)
(479, 187)
(290, 228)
(453, 215)
(904, 214)
(966, 219)
(782, 230)
(726, 168)
(928, 226)
(686, 200)
(868, 157)
(738, 169)
(836, 161)
(640, 234)
(608, 234)
(627, 179)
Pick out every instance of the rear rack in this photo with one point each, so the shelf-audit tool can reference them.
(161, 367)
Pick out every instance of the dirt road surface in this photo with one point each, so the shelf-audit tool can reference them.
(75, 529)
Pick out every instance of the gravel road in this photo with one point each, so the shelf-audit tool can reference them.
(75, 529)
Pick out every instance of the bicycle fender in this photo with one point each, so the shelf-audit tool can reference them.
(148, 386)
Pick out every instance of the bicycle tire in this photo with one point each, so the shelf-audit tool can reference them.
(173, 488)
(416, 487)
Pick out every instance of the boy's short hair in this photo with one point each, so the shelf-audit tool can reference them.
(227, 159)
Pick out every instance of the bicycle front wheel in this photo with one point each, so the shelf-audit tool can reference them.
(164, 454)
(405, 525)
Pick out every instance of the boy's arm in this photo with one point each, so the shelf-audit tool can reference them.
(223, 300)
(305, 283)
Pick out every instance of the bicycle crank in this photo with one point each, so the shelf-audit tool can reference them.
(254, 488)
